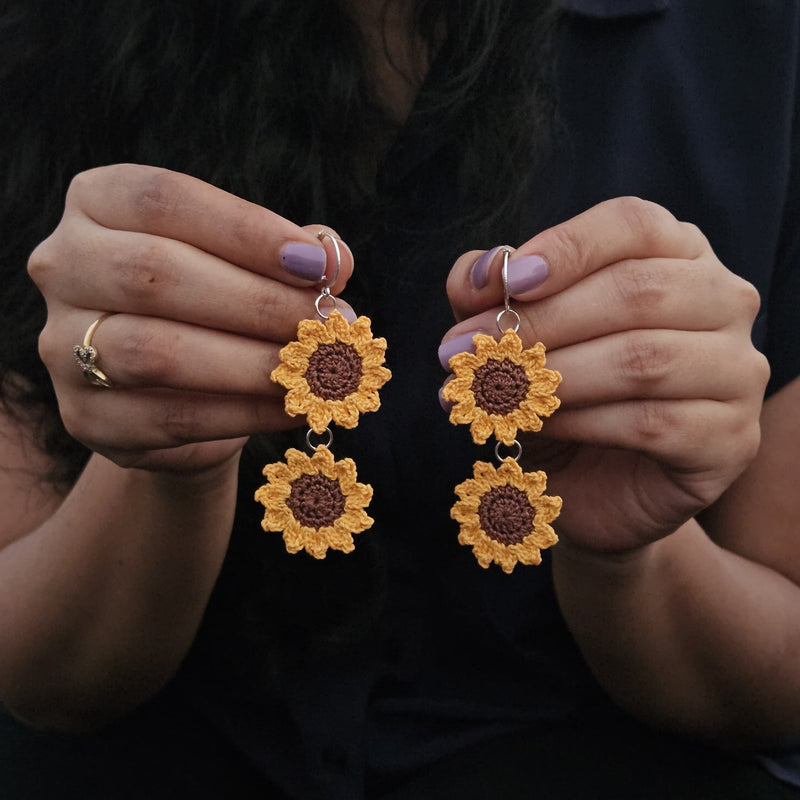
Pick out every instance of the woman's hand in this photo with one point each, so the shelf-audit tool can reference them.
(204, 288)
(661, 389)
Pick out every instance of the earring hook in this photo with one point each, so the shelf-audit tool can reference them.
(506, 297)
(325, 284)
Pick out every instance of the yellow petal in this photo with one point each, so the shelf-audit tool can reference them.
(338, 326)
(339, 540)
(504, 429)
(297, 400)
(509, 346)
(481, 428)
(367, 401)
(345, 413)
(465, 362)
(318, 416)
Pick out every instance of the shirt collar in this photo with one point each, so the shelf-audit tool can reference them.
(608, 9)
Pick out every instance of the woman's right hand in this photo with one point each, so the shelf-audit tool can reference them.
(204, 288)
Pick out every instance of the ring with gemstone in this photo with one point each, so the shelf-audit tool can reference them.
(86, 356)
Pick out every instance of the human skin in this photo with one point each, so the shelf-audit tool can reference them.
(206, 308)
(103, 585)
(677, 568)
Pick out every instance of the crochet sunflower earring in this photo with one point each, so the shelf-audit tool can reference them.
(333, 372)
(500, 389)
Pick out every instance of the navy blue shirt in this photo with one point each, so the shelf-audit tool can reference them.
(689, 104)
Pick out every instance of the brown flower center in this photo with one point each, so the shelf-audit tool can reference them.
(499, 386)
(506, 514)
(316, 501)
(334, 371)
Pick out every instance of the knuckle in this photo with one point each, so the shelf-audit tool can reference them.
(764, 371)
(148, 355)
(143, 269)
(179, 423)
(653, 422)
(266, 305)
(85, 185)
(695, 237)
(749, 440)
(573, 250)
(642, 288)
(245, 227)
(159, 195)
(647, 221)
(644, 360)
(42, 262)
(749, 298)
(757, 368)
(80, 185)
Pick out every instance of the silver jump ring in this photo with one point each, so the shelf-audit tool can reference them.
(327, 443)
(511, 313)
(325, 295)
(516, 456)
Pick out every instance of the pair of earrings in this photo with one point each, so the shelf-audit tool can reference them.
(333, 373)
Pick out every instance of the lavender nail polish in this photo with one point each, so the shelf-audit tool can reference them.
(479, 274)
(304, 261)
(458, 344)
(525, 273)
(347, 313)
(445, 404)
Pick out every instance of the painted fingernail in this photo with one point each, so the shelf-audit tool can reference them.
(526, 273)
(305, 261)
(445, 404)
(458, 344)
(479, 274)
(347, 313)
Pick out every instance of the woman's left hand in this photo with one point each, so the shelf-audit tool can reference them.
(662, 387)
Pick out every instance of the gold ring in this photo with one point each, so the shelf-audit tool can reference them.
(86, 356)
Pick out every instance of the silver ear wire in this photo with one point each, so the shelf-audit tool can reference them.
(335, 241)
(506, 298)
(326, 283)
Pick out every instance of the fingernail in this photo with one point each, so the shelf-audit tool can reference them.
(479, 274)
(525, 273)
(458, 344)
(305, 261)
(446, 406)
(348, 313)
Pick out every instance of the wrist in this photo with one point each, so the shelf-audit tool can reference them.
(585, 570)
(195, 485)
(574, 558)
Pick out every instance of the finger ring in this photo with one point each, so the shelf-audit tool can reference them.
(86, 356)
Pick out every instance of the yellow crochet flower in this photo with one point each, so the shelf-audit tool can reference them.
(501, 388)
(315, 501)
(504, 514)
(333, 371)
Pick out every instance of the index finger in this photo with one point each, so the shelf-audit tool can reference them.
(143, 199)
(621, 229)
